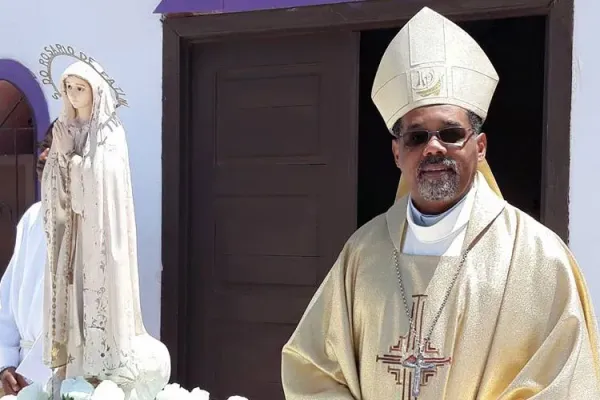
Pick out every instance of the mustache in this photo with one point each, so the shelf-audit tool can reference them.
(438, 160)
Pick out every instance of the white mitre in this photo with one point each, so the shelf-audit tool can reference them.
(432, 61)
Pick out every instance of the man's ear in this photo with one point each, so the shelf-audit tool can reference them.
(481, 146)
(396, 151)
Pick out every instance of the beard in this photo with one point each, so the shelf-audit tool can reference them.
(443, 187)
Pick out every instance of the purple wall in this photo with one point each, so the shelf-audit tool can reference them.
(17, 74)
(226, 6)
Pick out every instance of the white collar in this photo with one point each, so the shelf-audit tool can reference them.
(445, 224)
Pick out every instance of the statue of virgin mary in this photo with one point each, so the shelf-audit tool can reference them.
(93, 323)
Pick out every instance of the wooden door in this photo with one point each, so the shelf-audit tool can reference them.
(273, 200)
(17, 194)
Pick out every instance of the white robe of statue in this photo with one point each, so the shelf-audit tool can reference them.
(22, 291)
(95, 326)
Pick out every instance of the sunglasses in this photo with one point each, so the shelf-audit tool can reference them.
(453, 136)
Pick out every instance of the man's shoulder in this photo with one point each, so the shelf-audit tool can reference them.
(371, 231)
(530, 226)
(540, 255)
(31, 215)
(370, 235)
(538, 239)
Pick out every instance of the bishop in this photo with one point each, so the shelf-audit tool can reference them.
(453, 293)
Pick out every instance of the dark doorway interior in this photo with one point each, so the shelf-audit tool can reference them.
(514, 125)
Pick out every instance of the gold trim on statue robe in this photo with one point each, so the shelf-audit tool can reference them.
(518, 323)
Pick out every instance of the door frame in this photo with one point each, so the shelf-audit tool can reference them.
(181, 31)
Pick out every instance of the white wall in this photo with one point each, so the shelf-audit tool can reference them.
(125, 37)
(584, 204)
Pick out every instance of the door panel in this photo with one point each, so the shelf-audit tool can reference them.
(274, 198)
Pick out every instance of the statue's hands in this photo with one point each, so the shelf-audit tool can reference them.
(62, 139)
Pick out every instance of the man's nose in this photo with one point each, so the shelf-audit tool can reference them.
(434, 146)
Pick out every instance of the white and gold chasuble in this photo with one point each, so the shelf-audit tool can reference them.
(518, 323)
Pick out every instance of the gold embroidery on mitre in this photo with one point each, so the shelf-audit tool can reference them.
(427, 81)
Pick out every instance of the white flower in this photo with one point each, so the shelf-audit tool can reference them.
(108, 390)
(174, 392)
(199, 394)
(34, 391)
(77, 389)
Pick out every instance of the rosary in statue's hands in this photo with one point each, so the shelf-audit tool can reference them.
(62, 139)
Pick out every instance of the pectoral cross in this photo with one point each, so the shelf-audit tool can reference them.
(418, 364)
(417, 370)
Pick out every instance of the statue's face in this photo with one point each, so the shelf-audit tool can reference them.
(79, 92)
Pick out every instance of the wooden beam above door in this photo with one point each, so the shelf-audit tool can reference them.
(357, 15)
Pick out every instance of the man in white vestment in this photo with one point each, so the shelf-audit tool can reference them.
(452, 293)
(21, 291)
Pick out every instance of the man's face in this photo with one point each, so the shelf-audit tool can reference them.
(438, 174)
(42, 162)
